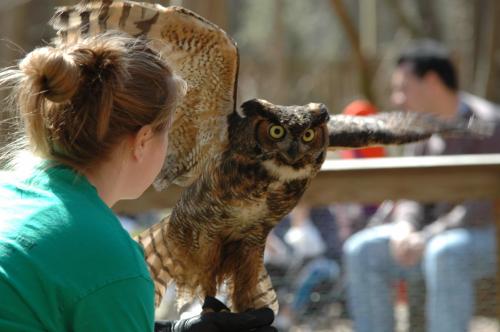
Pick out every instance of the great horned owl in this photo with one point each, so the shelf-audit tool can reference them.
(245, 168)
(218, 229)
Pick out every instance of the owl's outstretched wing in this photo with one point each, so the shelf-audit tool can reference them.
(198, 51)
(398, 127)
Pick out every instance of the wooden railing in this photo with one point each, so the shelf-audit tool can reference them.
(450, 178)
(427, 179)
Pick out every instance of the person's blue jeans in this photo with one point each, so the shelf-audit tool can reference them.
(452, 262)
(315, 272)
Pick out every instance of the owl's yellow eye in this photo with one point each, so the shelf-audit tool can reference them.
(276, 131)
(308, 135)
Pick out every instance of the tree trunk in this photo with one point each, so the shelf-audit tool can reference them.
(429, 20)
(353, 37)
(493, 78)
(414, 29)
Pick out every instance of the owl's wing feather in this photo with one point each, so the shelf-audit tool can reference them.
(158, 257)
(166, 264)
(398, 127)
(198, 51)
(265, 294)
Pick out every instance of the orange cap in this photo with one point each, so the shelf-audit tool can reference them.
(361, 108)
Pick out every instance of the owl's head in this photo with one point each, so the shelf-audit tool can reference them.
(289, 135)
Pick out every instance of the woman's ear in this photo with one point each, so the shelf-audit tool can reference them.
(140, 142)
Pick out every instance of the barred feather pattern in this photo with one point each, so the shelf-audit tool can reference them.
(399, 127)
(197, 50)
(168, 262)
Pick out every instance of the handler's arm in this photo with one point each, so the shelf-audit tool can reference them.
(126, 306)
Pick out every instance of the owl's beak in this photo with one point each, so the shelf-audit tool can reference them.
(292, 155)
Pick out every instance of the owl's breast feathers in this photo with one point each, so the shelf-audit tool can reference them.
(242, 195)
(220, 225)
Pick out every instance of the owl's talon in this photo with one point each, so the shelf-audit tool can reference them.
(211, 304)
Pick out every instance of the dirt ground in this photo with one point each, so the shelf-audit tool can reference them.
(478, 324)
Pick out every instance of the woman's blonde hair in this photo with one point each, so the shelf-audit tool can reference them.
(77, 102)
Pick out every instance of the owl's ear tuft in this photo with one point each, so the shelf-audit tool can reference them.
(253, 107)
(321, 114)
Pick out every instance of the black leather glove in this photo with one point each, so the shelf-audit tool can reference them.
(217, 318)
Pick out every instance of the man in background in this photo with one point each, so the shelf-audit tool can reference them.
(448, 245)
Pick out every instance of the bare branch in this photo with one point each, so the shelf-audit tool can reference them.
(353, 37)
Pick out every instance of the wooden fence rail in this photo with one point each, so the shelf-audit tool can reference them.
(427, 179)
(450, 178)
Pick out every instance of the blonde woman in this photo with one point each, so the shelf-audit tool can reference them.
(96, 114)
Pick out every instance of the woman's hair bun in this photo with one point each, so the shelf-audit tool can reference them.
(101, 64)
(79, 101)
(52, 72)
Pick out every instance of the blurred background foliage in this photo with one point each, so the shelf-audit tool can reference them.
(331, 51)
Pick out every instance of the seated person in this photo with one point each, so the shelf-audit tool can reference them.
(311, 263)
(448, 245)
